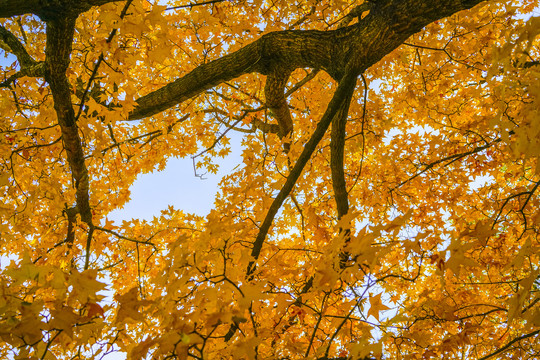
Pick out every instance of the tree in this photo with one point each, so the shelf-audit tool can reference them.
(409, 230)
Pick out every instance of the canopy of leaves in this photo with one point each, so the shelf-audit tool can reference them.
(387, 204)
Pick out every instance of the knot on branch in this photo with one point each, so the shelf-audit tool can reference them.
(356, 13)
(274, 90)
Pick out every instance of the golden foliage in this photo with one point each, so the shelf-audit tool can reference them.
(441, 169)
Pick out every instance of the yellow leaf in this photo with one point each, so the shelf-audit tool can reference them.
(4, 179)
(376, 306)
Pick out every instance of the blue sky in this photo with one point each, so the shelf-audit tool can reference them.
(178, 186)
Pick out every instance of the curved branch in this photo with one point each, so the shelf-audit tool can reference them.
(29, 66)
(15, 46)
(510, 344)
(294, 48)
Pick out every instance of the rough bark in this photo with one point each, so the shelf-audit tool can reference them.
(48, 9)
(29, 66)
(387, 25)
(57, 52)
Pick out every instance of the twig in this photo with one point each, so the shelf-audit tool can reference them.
(124, 237)
(191, 6)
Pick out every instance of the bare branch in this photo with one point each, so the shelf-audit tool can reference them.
(191, 6)
(142, 242)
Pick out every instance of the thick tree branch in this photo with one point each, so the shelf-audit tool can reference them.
(389, 24)
(337, 149)
(293, 48)
(58, 49)
(29, 67)
(10, 43)
(274, 90)
(48, 9)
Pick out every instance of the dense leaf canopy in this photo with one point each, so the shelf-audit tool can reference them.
(387, 204)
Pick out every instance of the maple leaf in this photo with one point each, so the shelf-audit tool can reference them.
(376, 306)
(86, 286)
(129, 305)
(64, 318)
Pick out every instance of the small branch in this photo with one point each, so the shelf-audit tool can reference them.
(191, 6)
(152, 134)
(345, 319)
(302, 82)
(533, 190)
(217, 140)
(124, 237)
(99, 61)
(316, 326)
(49, 343)
(449, 159)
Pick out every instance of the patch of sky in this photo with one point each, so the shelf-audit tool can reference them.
(178, 186)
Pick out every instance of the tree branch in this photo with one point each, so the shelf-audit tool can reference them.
(337, 149)
(15, 46)
(29, 67)
(48, 9)
(388, 25)
(339, 104)
(57, 53)
(275, 99)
